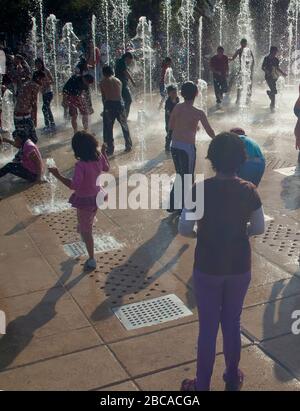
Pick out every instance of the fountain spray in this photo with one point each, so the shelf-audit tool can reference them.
(41, 9)
(51, 32)
(185, 19)
(94, 23)
(167, 10)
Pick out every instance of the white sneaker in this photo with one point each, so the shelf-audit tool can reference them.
(90, 265)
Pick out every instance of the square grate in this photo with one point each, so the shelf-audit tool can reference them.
(151, 312)
(103, 244)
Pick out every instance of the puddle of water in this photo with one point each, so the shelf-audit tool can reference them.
(50, 208)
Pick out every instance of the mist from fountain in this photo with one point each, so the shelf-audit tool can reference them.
(167, 15)
(186, 19)
(293, 25)
(94, 28)
(42, 29)
(245, 78)
(245, 23)
(220, 12)
(202, 97)
(51, 36)
(169, 78)
(271, 17)
(120, 13)
(33, 38)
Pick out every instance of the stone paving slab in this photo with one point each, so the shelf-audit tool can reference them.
(82, 371)
(160, 350)
(259, 370)
(18, 351)
(270, 320)
(286, 350)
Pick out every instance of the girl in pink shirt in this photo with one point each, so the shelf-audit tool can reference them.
(91, 164)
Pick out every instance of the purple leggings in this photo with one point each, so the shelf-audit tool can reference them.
(220, 300)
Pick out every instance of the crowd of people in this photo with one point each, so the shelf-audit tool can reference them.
(233, 208)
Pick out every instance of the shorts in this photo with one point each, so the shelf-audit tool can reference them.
(76, 103)
(86, 218)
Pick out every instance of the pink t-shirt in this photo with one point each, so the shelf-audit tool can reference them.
(85, 178)
(28, 149)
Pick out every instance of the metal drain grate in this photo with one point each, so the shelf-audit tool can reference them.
(102, 244)
(274, 163)
(151, 312)
(282, 240)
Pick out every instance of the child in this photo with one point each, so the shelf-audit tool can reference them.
(91, 163)
(47, 92)
(73, 98)
(25, 115)
(222, 268)
(171, 102)
(184, 123)
(254, 167)
(30, 166)
(114, 109)
(167, 63)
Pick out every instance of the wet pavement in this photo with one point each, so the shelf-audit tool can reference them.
(61, 329)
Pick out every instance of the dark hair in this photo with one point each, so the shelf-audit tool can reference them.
(89, 78)
(128, 55)
(227, 153)
(38, 76)
(85, 146)
(220, 48)
(273, 49)
(167, 60)
(243, 41)
(108, 71)
(40, 61)
(189, 90)
(171, 88)
(21, 135)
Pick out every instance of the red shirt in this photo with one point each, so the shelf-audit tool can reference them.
(220, 64)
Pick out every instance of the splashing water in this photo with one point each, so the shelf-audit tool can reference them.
(245, 23)
(169, 78)
(121, 11)
(94, 25)
(202, 95)
(33, 38)
(167, 13)
(271, 16)
(51, 34)
(7, 116)
(245, 77)
(220, 9)
(42, 31)
(185, 19)
(200, 45)
(293, 30)
(68, 48)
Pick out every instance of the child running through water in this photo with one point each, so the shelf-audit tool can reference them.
(171, 103)
(184, 123)
(222, 267)
(91, 164)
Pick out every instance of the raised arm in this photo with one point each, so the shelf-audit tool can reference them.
(205, 123)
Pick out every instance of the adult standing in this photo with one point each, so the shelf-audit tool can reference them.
(123, 74)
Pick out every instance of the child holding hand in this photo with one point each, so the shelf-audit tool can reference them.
(91, 164)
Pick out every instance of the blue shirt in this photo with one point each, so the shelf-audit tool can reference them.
(252, 148)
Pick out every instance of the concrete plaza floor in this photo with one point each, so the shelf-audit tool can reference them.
(61, 331)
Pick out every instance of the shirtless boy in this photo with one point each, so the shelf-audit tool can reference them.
(184, 122)
(25, 115)
(114, 109)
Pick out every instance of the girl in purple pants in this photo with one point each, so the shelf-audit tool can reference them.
(222, 271)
